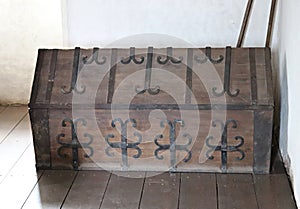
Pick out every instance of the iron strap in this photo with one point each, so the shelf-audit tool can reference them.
(253, 75)
(51, 75)
(189, 74)
(112, 75)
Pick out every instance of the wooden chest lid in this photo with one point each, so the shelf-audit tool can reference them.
(234, 78)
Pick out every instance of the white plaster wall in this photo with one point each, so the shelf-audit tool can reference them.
(199, 22)
(25, 27)
(289, 74)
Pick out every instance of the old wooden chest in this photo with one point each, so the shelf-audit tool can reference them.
(171, 109)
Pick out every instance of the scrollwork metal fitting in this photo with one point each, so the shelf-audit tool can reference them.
(132, 57)
(74, 144)
(94, 58)
(147, 84)
(172, 146)
(75, 71)
(163, 60)
(208, 57)
(224, 148)
(124, 145)
(226, 83)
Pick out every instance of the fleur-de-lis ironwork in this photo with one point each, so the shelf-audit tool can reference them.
(124, 145)
(224, 148)
(147, 84)
(208, 57)
(94, 58)
(132, 57)
(226, 83)
(75, 71)
(169, 57)
(172, 146)
(74, 144)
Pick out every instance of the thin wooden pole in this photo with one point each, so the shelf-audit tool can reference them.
(270, 24)
(245, 23)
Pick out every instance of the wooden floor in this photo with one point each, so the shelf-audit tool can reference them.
(22, 187)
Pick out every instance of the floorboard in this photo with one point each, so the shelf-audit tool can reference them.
(9, 118)
(19, 182)
(2, 108)
(14, 146)
(161, 191)
(236, 191)
(198, 191)
(274, 192)
(51, 190)
(87, 190)
(123, 192)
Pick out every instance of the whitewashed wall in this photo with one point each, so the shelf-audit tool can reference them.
(25, 26)
(287, 50)
(198, 22)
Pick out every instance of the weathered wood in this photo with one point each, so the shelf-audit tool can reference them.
(51, 190)
(37, 74)
(41, 137)
(2, 108)
(123, 192)
(161, 191)
(51, 76)
(10, 117)
(244, 23)
(263, 123)
(13, 147)
(253, 76)
(274, 192)
(87, 190)
(21, 179)
(269, 76)
(89, 88)
(271, 23)
(198, 191)
(236, 191)
(240, 74)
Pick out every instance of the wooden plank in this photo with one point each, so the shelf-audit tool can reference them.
(123, 192)
(20, 181)
(263, 122)
(253, 76)
(198, 191)
(271, 23)
(244, 23)
(236, 191)
(14, 146)
(2, 108)
(10, 118)
(41, 137)
(269, 77)
(36, 80)
(51, 190)
(274, 192)
(161, 191)
(87, 190)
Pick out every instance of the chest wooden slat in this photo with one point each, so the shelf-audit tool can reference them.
(204, 110)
